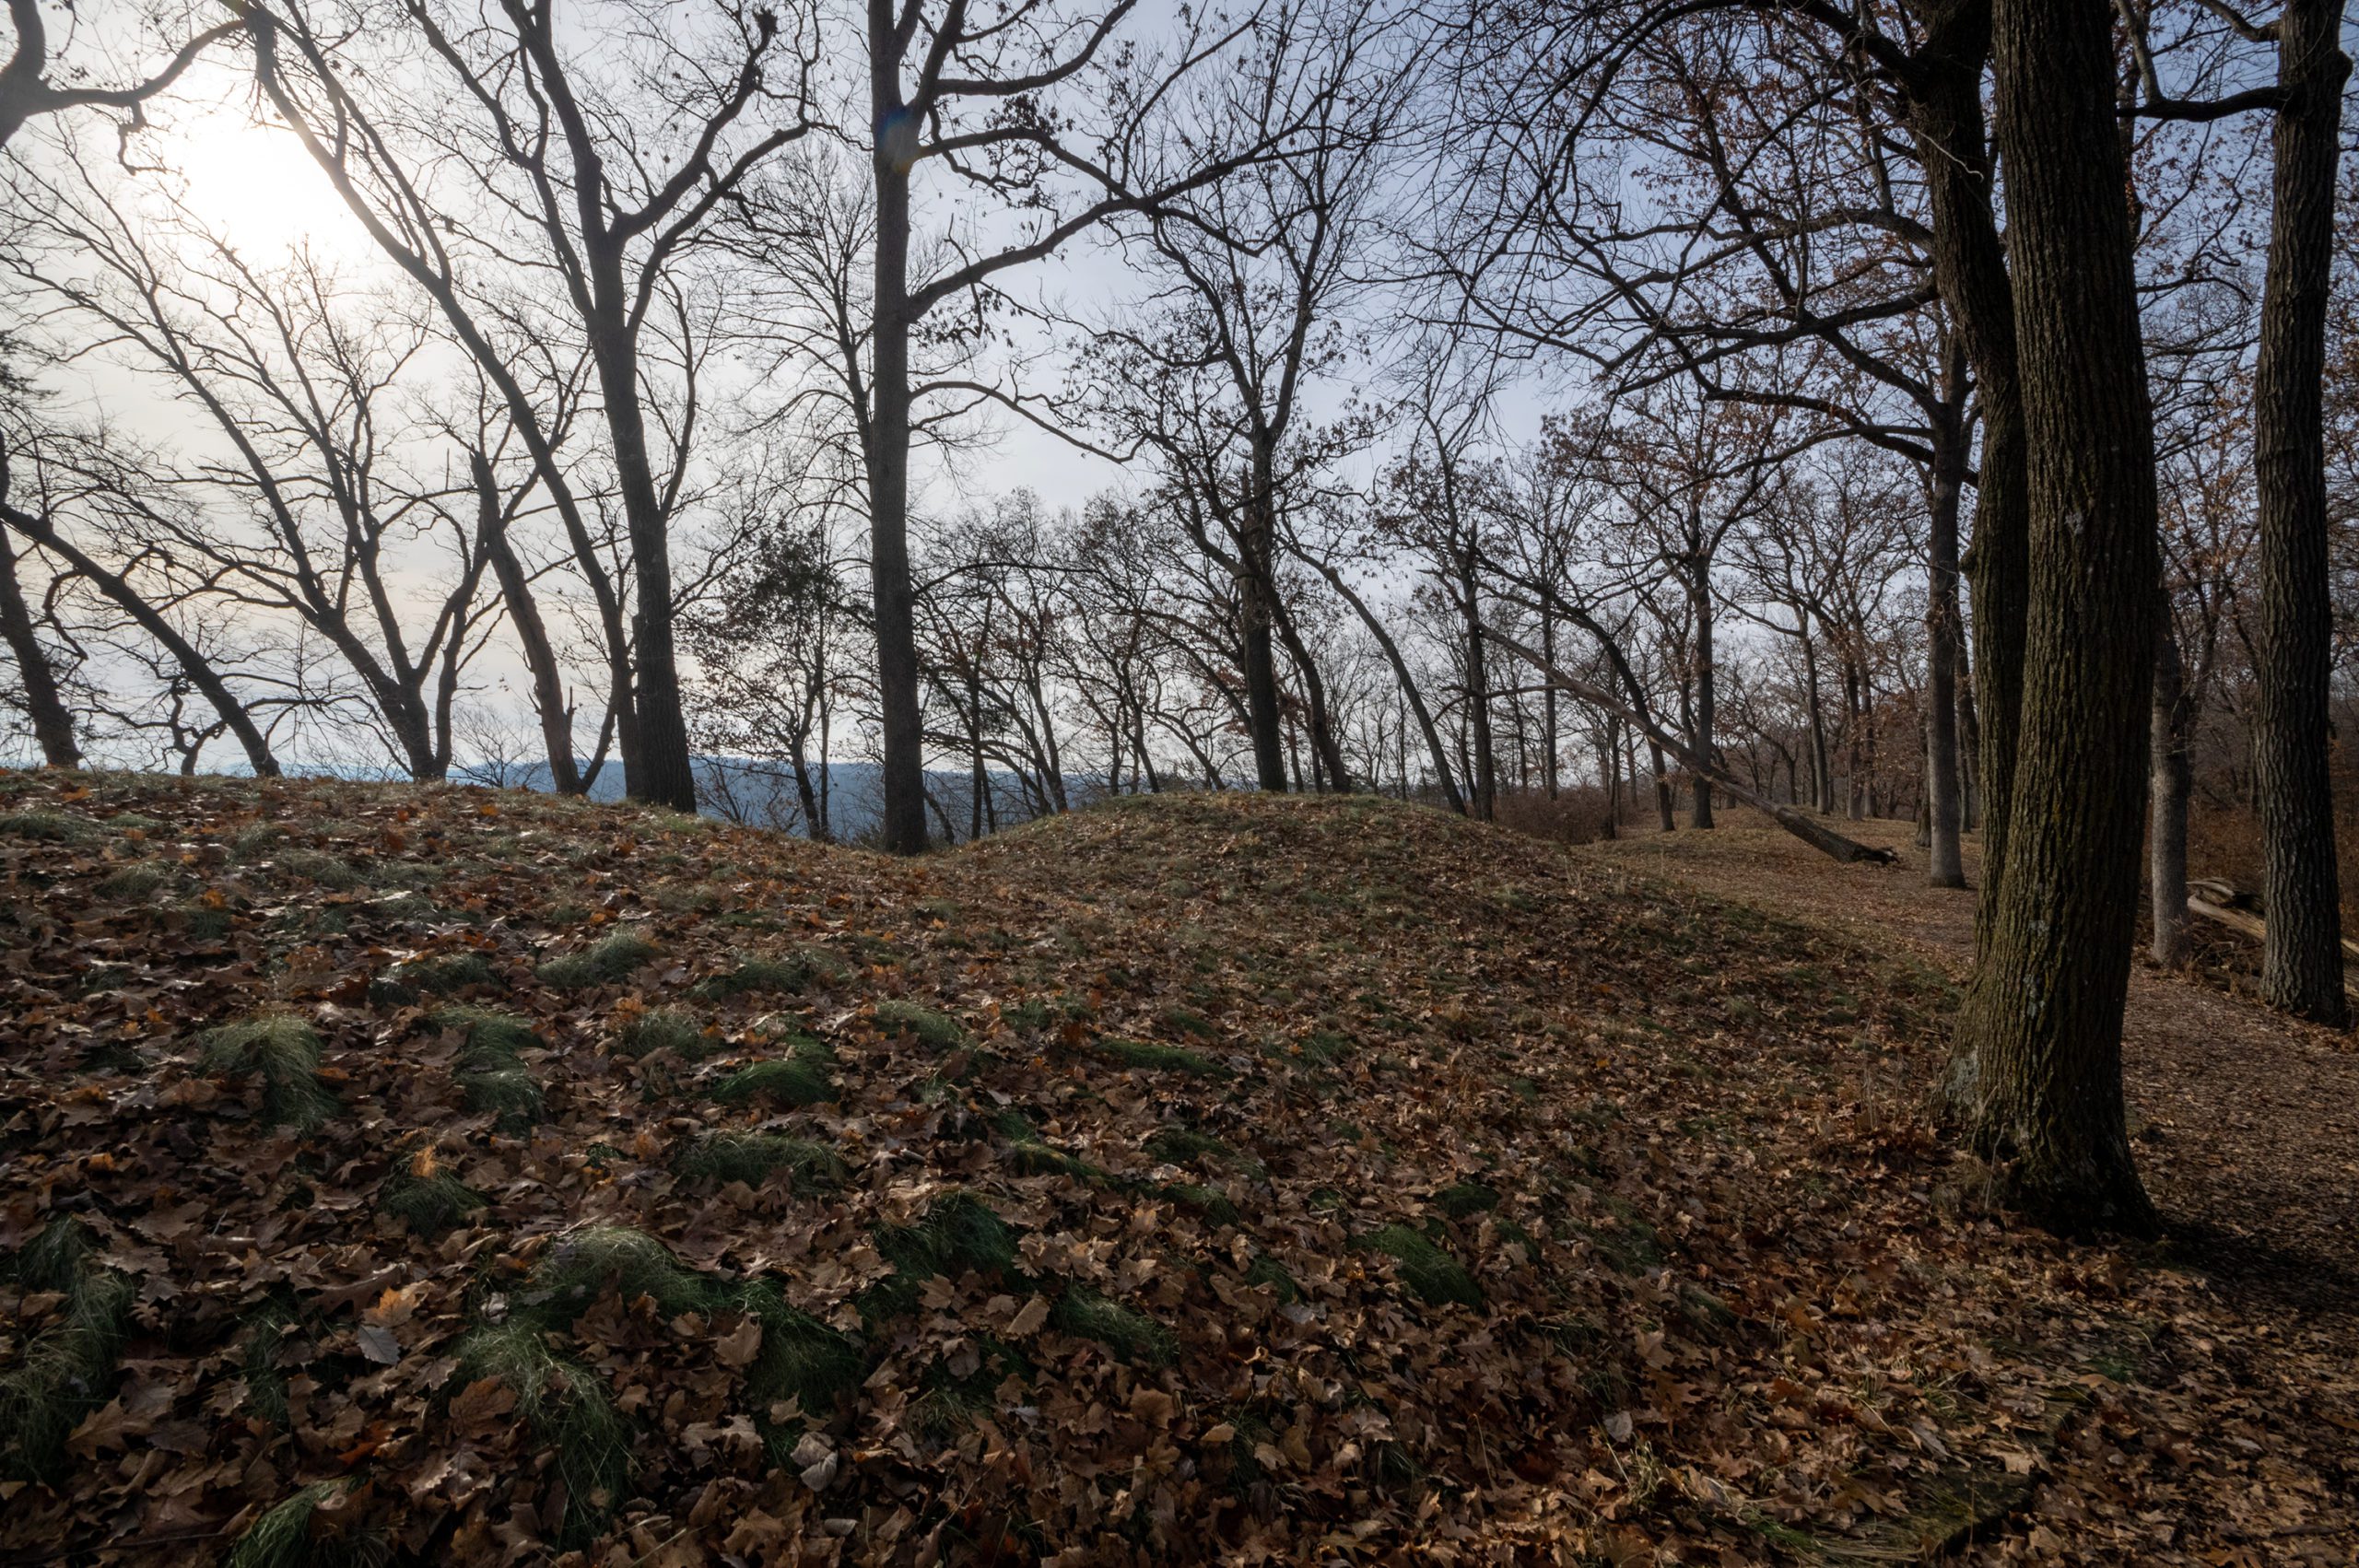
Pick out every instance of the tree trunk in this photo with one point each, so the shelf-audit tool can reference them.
(2173, 773)
(1666, 804)
(1945, 862)
(1822, 764)
(1327, 755)
(194, 664)
(1699, 590)
(1970, 269)
(662, 774)
(1255, 593)
(902, 825)
(1409, 692)
(1969, 741)
(1548, 736)
(975, 752)
(2037, 1073)
(524, 614)
(44, 705)
(2302, 960)
(1478, 695)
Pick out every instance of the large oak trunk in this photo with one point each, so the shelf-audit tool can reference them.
(2038, 1075)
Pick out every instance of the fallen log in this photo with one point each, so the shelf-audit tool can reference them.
(2222, 904)
(1802, 825)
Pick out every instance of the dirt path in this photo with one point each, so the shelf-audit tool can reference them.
(2247, 1124)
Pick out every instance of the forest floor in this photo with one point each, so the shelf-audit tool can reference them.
(445, 1176)
(2245, 1123)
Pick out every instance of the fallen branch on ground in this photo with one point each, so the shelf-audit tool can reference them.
(2223, 904)
(1800, 823)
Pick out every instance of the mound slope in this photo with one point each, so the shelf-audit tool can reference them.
(481, 1177)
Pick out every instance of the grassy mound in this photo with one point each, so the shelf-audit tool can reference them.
(1188, 1179)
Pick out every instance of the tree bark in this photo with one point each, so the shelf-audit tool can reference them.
(902, 825)
(1699, 588)
(1255, 595)
(2037, 1071)
(1478, 696)
(1822, 763)
(2302, 959)
(524, 614)
(44, 705)
(1548, 737)
(1970, 269)
(1327, 752)
(2172, 775)
(1945, 862)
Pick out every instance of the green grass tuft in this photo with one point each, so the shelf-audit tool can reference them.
(1267, 1270)
(666, 1029)
(754, 1157)
(795, 972)
(1325, 1047)
(427, 1204)
(1209, 1201)
(284, 1537)
(1466, 1200)
(801, 1359)
(583, 1262)
(1129, 1334)
(265, 1380)
(141, 879)
(1179, 1144)
(569, 1410)
(1435, 1275)
(257, 841)
(432, 977)
(284, 1052)
(50, 827)
(66, 1366)
(491, 1071)
(1034, 1156)
(326, 870)
(494, 1039)
(799, 1080)
(1148, 1055)
(959, 1233)
(203, 922)
(511, 1095)
(935, 1031)
(610, 962)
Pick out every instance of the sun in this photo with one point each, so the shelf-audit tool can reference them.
(256, 187)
